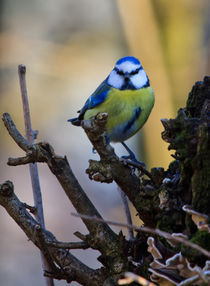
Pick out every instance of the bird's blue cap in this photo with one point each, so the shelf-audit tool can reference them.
(128, 59)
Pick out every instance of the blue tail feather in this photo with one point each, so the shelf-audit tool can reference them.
(75, 121)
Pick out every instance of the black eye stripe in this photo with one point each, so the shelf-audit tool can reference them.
(118, 71)
(131, 73)
(135, 72)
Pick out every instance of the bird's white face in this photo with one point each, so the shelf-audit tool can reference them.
(128, 75)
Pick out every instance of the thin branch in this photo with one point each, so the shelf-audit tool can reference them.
(30, 208)
(68, 245)
(14, 133)
(30, 138)
(80, 235)
(26, 110)
(39, 214)
(20, 160)
(127, 212)
(159, 232)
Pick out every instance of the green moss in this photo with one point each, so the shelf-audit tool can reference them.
(158, 174)
(174, 166)
(201, 175)
(170, 221)
(191, 226)
(165, 223)
(201, 238)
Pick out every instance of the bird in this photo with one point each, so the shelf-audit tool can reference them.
(126, 96)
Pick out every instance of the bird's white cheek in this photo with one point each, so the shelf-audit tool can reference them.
(115, 80)
(139, 80)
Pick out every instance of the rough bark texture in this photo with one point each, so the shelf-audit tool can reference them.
(160, 198)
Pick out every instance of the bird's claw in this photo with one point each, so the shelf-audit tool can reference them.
(131, 159)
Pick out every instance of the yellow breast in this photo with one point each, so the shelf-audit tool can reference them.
(120, 106)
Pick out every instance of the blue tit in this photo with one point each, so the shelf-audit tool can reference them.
(126, 96)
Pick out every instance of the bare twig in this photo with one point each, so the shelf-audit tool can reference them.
(127, 212)
(33, 167)
(68, 245)
(30, 138)
(80, 235)
(159, 232)
(20, 160)
(14, 133)
(30, 208)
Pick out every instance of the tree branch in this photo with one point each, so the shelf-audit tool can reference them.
(102, 237)
(71, 268)
(110, 166)
(15, 134)
(37, 195)
(69, 245)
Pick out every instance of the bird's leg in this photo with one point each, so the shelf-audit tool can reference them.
(131, 156)
(130, 152)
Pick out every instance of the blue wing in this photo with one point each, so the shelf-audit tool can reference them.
(95, 99)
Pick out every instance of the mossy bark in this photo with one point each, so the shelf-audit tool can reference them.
(189, 135)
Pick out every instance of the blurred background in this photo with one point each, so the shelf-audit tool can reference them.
(69, 47)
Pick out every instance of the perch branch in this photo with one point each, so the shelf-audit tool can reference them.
(110, 168)
(95, 129)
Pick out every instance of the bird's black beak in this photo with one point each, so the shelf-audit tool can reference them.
(127, 79)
